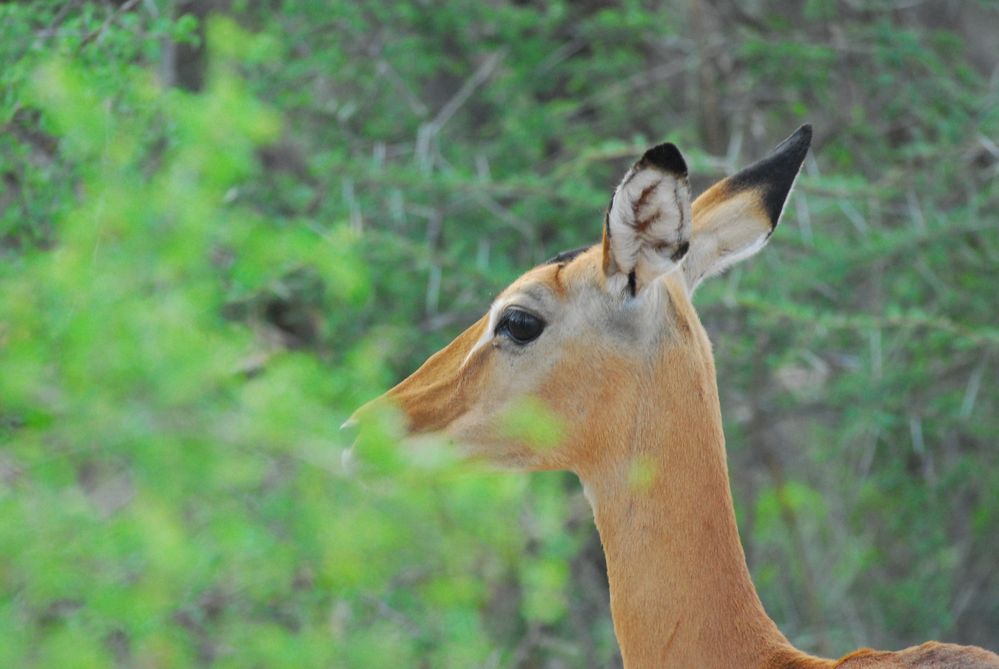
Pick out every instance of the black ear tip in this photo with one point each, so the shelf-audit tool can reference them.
(798, 142)
(667, 158)
(774, 175)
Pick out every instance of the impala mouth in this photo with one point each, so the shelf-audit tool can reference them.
(348, 459)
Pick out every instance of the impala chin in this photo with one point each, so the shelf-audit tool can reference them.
(521, 437)
(505, 458)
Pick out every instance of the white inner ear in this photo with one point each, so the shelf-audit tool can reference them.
(729, 232)
(649, 219)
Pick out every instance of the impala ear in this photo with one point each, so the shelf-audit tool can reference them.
(647, 227)
(734, 218)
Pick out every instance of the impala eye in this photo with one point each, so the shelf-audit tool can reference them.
(520, 326)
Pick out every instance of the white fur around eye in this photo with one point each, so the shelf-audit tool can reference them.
(487, 336)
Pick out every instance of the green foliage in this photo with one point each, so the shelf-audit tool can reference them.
(528, 422)
(223, 226)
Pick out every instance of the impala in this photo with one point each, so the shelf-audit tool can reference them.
(607, 340)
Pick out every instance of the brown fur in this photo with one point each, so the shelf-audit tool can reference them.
(633, 381)
(605, 256)
(930, 655)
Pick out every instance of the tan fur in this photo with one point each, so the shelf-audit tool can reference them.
(721, 243)
(632, 379)
(437, 392)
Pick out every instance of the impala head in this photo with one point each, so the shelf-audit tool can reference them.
(602, 336)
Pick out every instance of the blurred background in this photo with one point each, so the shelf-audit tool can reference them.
(225, 224)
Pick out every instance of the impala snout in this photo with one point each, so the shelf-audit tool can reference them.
(443, 388)
(437, 393)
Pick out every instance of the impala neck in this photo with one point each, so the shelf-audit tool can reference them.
(681, 594)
